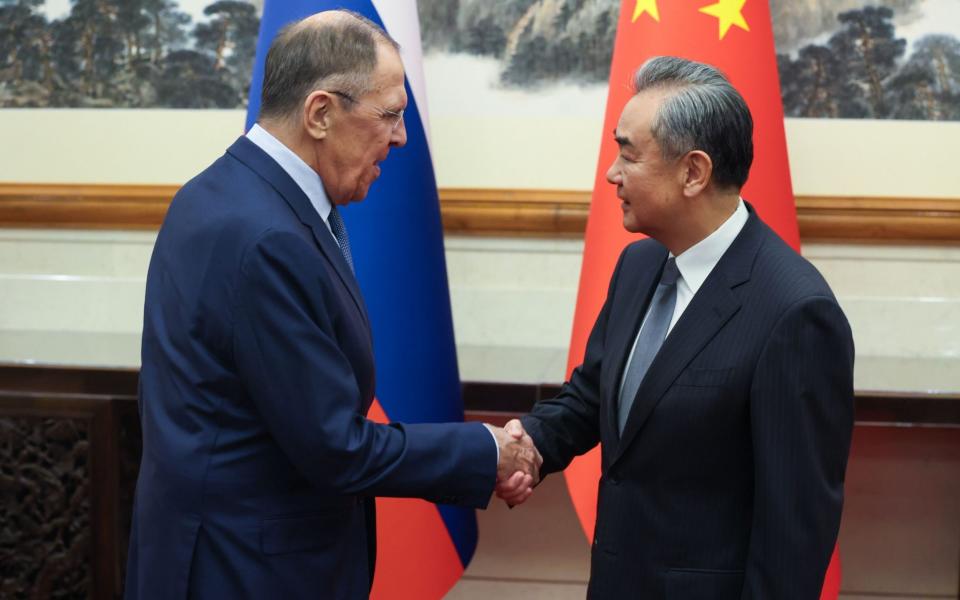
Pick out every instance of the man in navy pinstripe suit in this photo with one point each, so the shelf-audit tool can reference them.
(723, 462)
(260, 468)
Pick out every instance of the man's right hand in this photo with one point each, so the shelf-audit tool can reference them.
(519, 468)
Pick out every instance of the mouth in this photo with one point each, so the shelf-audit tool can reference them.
(376, 165)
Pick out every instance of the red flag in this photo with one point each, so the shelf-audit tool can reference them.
(737, 37)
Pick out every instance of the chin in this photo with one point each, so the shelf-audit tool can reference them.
(631, 224)
(360, 194)
(362, 189)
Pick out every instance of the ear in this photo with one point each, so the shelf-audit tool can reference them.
(317, 113)
(697, 169)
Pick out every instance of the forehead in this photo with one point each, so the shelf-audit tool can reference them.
(389, 76)
(638, 114)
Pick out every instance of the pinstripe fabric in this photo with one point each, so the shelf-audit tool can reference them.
(727, 481)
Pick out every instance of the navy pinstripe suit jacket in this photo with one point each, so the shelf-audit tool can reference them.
(727, 482)
(259, 469)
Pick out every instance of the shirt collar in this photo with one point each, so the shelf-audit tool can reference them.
(299, 171)
(696, 263)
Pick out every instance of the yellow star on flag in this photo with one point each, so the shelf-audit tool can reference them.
(728, 13)
(646, 6)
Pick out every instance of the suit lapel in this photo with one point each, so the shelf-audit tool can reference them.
(709, 310)
(622, 339)
(259, 161)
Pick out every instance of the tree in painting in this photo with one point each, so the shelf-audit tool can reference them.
(126, 53)
(868, 50)
(816, 85)
(928, 84)
(863, 72)
(231, 39)
(25, 49)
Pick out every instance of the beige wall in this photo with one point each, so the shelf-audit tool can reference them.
(827, 157)
(513, 298)
(77, 296)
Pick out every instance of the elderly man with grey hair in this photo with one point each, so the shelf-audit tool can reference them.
(718, 376)
(259, 466)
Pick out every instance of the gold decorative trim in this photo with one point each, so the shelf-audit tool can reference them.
(86, 206)
(879, 220)
(514, 212)
(489, 212)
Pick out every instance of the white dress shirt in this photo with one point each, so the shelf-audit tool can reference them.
(695, 264)
(301, 173)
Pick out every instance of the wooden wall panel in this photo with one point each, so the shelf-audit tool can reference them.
(490, 212)
(84, 206)
(64, 528)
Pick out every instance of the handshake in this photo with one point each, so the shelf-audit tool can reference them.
(518, 471)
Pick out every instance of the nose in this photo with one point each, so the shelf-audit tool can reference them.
(613, 174)
(398, 138)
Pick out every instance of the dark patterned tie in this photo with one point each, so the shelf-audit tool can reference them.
(340, 232)
(651, 337)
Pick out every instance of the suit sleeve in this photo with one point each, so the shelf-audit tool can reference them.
(304, 387)
(569, 425)
(801, 411)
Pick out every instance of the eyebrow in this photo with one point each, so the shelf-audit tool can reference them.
(621, 140)
(396, 108)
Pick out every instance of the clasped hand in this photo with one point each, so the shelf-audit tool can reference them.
(518, 471)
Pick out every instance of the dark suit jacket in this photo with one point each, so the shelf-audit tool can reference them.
(728, 480)
(258, 465)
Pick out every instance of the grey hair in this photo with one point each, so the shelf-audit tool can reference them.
(702, 111)
(336, 54)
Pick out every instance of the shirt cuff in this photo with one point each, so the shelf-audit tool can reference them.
(495, 444)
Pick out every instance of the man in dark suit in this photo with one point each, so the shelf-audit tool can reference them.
(718, 376)
(259, 467)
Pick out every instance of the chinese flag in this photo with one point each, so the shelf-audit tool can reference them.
(736, 36)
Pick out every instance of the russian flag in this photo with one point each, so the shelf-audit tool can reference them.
(397, 242)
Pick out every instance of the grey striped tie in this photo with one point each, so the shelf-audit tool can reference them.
(651, 337)
(340, 233)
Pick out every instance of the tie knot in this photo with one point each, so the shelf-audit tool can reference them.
(670, 272)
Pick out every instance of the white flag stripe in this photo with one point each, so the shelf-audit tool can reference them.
(401, 22)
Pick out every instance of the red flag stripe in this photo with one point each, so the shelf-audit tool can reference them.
(416, 558)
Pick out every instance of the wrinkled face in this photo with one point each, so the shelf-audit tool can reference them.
(362, 132)
(649, 188)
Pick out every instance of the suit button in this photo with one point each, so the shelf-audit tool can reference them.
(614, 480)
